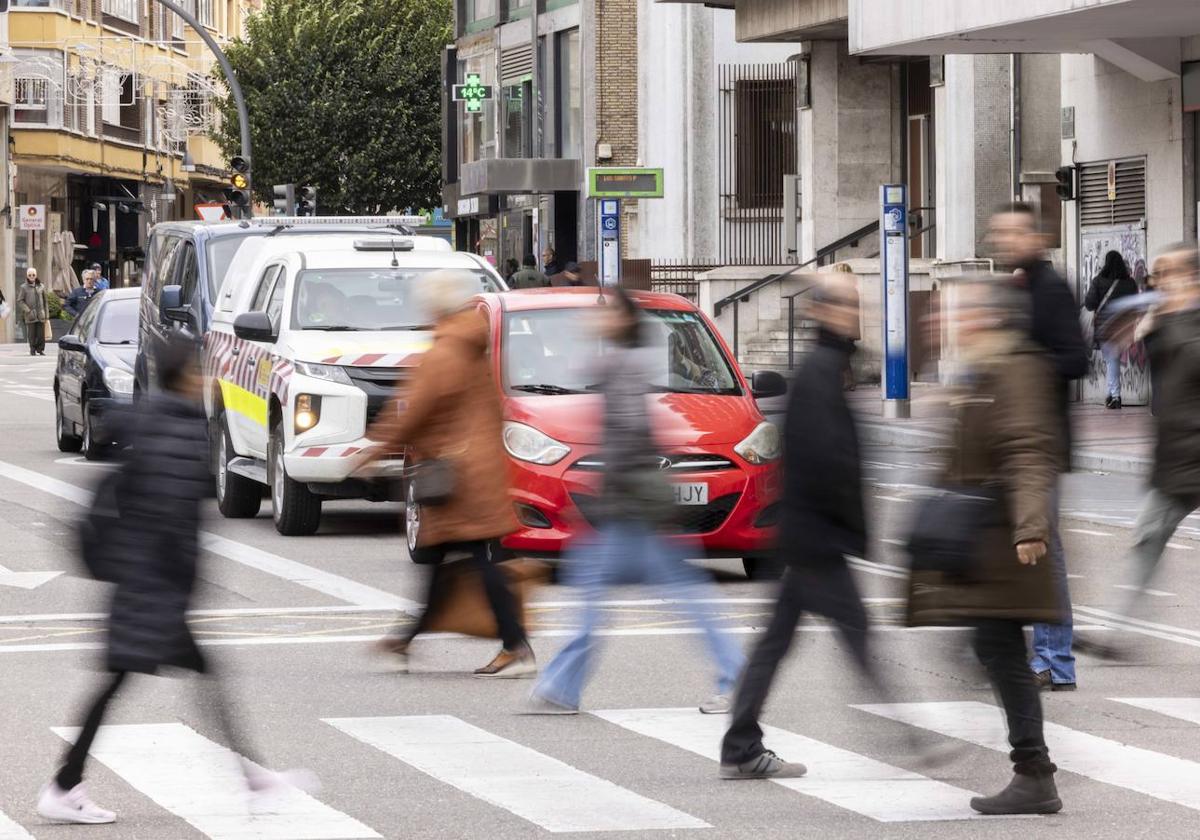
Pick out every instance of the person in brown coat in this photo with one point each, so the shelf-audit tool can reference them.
(1004, 447)
(451, 412)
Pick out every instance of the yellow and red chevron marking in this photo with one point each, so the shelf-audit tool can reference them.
(374, 359)
(329, 451)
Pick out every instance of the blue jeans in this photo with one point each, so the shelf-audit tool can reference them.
(1052, 642)
(1112, 363)
(632, 553)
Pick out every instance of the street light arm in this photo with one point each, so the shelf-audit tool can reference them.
(226, 68)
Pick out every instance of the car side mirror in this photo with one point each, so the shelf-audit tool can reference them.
(70, 341)
(171, 306)
(767, 383)
(254, 326)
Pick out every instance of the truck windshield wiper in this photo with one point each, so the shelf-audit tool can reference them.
(545, 389)
(406, 327)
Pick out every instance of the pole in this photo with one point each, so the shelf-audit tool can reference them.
(239, 99)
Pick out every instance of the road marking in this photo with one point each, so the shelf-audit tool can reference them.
(1157, 593)
(1116, 621)
(37, 395)
(25, 580)
(327, 583)
(839, 777)
(1183, 708)
(1075, 577)
(202, 783)
(1180, 546)
(893, 542)
(1154, 774)
(881, 569)
(1087, 532)
(84, 462)
(543, 790)
(11, 830)
(892, 498)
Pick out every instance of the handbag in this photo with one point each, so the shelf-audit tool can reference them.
(462, 605)
(1087, 320)
(433, 481)
(949, 529)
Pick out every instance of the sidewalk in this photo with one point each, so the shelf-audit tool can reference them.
(1104, 441)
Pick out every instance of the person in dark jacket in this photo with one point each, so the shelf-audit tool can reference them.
(1054, 327)
(81, 295)
(1112, 283)
(636, 505)
(1004, 447)
(155, 545)
(550, 263)
(528, 277)
(822, 520)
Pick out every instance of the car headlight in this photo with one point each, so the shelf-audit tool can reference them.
(328, 373)
(118, 381)
(307, 413)
(528, 444)
(761, 446)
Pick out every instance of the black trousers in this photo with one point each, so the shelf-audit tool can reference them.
(827, 590)
(1000, 646)
(495, 585)
(35, 332)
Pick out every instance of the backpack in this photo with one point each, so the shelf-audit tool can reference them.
(99, 528)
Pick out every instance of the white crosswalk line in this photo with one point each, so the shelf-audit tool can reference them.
(1183, 708)
(839, 777)
(1154, 774)
(536, 787)
(201, 782)
(10, 830)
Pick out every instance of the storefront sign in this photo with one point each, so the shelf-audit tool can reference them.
(624, 182)
(893, 249)
(474, 93)
(33, 216)
(468, 206)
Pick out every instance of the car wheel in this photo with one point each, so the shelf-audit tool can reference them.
(762, 568)
(412, 519)
(297, 510)
(93, 450)
(238, 497)
(67, 442)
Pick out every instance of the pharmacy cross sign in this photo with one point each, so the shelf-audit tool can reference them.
(472, 93)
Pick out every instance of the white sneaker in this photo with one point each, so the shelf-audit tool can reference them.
(718, 704)
(71, 806)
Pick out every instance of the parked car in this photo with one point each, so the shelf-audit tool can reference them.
(93, 383)
(308, 343)
(719, 451)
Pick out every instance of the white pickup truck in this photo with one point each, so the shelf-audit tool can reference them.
(309, 341)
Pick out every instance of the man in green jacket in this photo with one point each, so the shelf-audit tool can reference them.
(528, 277)
(34, 311)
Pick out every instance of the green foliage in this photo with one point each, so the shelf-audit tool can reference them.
(54, 306)
(344, 95)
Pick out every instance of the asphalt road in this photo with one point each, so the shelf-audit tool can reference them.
(438, 754)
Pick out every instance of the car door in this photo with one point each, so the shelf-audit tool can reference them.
(187, 274)
(73, 372)
(251, 419)
(157, 329)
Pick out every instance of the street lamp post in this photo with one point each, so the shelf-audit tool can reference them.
(239, 99)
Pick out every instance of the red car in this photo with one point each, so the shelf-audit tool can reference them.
(720, 452)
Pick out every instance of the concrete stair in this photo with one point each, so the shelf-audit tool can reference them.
(768, 348)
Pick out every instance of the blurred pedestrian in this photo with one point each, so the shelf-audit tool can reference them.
(848, 380)
(450, 419)
(151, 552)
(569, 276)
(550, 263)
(81, 295)
(1173, 341)
(528, 277)
(635, 508)
(511, 267)
(101, 280)
(1054, 327)
(34, 311)
(1112, 283)
(1004, 463)
(822, 520)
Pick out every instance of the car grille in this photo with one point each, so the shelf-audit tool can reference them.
(690, 519)
(379, 384)
(677, 462)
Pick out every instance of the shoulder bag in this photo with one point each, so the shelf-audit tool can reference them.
(1087, 320)
(949, 527)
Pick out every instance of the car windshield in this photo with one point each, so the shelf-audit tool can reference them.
(554, 351)
(220, 254)
(118, 322)
(365, 298)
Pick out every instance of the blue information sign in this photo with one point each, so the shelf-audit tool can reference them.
(893, 261)
(610, 241)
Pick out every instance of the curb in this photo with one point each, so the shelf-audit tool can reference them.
(891, 434)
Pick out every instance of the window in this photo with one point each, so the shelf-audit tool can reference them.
(478, 128)
(518, 120)
(264, 288)
(765, 149)
(83, 324)
(479, 10)
(364, 298)
(119, 106)
(186, 277)
(569, 96)
(31, 94)
(275, 302)
(126, 10)
(206, 11)
(118, 322)
(161, 263)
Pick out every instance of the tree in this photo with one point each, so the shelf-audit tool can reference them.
(344, 95)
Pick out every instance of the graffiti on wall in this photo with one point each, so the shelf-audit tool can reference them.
(1130, 242)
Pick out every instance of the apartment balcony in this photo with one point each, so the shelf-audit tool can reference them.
(784, 20)
(1139, 36)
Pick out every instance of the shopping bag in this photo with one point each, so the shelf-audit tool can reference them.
(463, 605)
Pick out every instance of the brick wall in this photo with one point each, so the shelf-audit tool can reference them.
(617, 89)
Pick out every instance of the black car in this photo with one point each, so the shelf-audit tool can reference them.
(93, 384)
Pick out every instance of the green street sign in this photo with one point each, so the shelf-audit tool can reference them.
(624, 182)
(473, 93)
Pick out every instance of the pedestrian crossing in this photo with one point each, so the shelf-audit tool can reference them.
(199, 781)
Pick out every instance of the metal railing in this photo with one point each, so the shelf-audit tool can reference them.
(743, 295)
(678, 277)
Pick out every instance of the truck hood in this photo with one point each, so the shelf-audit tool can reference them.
(676, 419)
(369, 348)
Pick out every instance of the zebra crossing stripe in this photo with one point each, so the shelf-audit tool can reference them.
(1162, 776)
(10, 830)
(1183, 708)
(839, 777)
(534, 786)
(202, 783)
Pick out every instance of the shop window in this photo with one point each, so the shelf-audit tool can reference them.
(569, 96)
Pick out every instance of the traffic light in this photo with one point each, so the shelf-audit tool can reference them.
(1065, 176)
(238, 201)
(285, 199)
(306, 203)
(239, 196)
